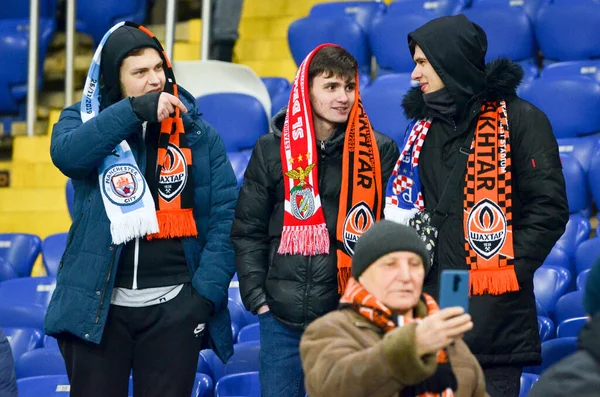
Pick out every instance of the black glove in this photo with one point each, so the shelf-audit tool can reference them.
(145, 106)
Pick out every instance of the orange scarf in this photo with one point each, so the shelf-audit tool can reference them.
(174, 200)
(361, 197)
(488, 205)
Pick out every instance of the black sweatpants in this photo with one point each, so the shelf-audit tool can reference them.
(159, 344)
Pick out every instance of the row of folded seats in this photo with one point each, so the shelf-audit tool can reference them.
(92, 18)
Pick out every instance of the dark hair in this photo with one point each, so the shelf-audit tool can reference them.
(136, 52)
(411, 45)
(333, 61)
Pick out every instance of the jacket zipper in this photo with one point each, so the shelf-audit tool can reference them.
(136, 260)
(105, 284)
(322, 145)
(307, 289)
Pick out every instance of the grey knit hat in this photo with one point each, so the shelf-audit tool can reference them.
(383, 238)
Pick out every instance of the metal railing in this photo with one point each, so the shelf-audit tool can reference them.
(32, 80)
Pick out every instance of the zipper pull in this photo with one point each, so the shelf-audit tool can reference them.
(322, 145)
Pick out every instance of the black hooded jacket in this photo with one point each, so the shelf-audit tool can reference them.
(505, 326)
(298, 289)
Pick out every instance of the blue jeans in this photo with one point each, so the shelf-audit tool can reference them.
(280, 366)
(8, 380)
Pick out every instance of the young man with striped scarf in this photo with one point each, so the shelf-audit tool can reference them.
(312, 187)
(142, 285)
(508, 206)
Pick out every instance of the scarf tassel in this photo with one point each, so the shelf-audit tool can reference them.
(127, 227)
(493, 282)
(304, 240)
(178, 223)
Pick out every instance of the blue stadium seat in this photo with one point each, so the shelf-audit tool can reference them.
(280, 101)
(23, 340)
(389, 40)
(558, 257)
(362, 12)
(553, 351)
(95, 19)
(540, 310)
(382, 101)
(44, 386)
(560, 98)
(39, 362)
(527, 382)
(70, 195)
(240, 315)
(50, 341)
(13, 68)
(275, 85)
(569, 30)
(509, 31)
(234, 292)
(7, 272)
(587, 254)
(307, 33)
(239, 162)
(576, 184)
(582, 279)
(584, 149)
(587, 68)
(549, 284)
(28, 291)
(571, 327)
(240, 119)
(531, 7)
(244, 359)
(594, 180)
(249, 333)
(21, 315)
(20, 10)
(20, 250)
(53, 248)
(545, 328)
(577, 231)
(569, 306)
(434, 9)
(246, 384)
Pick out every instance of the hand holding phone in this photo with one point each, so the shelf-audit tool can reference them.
(439, 330)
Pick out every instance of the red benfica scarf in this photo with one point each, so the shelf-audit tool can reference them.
(488, 205)
(174, 199)
(361, 198)
(365, 304)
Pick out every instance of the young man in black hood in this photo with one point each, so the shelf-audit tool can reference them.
(505, 207)
(142, 285)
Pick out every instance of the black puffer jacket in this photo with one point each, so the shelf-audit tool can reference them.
(505, 330)
(297, 288)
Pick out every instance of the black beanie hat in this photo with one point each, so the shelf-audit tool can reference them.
(382, 238)
(120, 43)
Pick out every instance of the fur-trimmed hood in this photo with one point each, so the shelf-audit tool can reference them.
(502, 77)
(456, 47)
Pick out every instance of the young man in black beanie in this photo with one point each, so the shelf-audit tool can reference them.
(388, 338)
(482, 166)
(579, 373)
(142, 285)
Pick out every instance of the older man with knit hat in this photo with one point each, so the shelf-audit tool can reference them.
(388, 338)
(579, 373)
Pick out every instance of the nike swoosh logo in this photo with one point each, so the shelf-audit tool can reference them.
(199, 329)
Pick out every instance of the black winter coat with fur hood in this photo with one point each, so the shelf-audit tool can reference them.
(505, 326)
